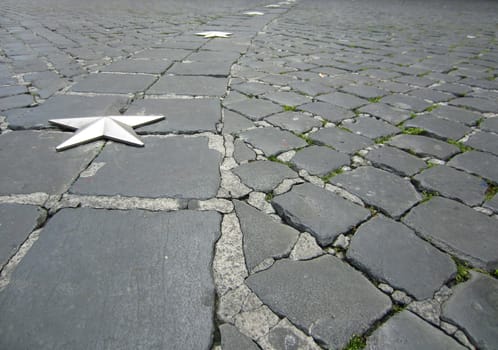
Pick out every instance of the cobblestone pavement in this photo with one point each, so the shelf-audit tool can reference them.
(324, 178)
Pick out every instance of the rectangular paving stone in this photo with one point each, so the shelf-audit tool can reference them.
(319, 160)
(424, 146)
(294, 121)
(272, 141)
(479, 163)
(255, 109)
(170, 54)
(396, 160)
(16, 101)
(189, 85)
(341, 140)
(431, 95)
(364, 91)
(478, 104)
(484, 141)
(369, 127)
(210, 68)
(406, 102)
(285, 98)
(138, 66)
(343, 100)
(114, 279)
(327, 111)
(438, 127)
(179, 167)
(385, 112)
(490, 124)
(114, 83)
(457, 114)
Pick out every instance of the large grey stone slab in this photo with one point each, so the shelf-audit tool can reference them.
(393, 159)
(272, 141)
(327, 111)
(484, 141)
(474, 307)
(479, 104)
(460, 115)
(16, 223)
(370, 127)
(453, 184)
(341, 140)
(407, 262)
(294, 121)
(255, 109)
(322, 213)
(364, 91)
(343, 100)
(490, 124)
(31, 164)
(439, 127)
(252, 88)
(114, 83)
(458, 230)
(492, 203)
(234, 122)
(406, 102)
(344, 302)
(181, 115)
(319, 160)
(480, 163)
(114, 279)
(424, 146)
(232, 339)
(385, 112)
(287, 98)
(263, 175)
(189, 85)
(16, 101)
(388, 192)
(138, 66)
(170, 54)
(180, 167)
(242, 152)
(263, 237)
(408, 332)
(217, 68)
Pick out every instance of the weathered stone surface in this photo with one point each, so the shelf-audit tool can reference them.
(125, 273)
(369, 127)
(242, 152)
(264, 238)
(232, 339)
(479, 104)
(392, 194)
(424, 146)
(255, 109)
(385, 112)
(294, 121)
(319, 160)
(187, 169)
(286, 98)
(490, 124)
(138, 66)
(458, 230)
(16, 101)
(343, 100)
(344, 302)
(484, 141)
(189, 85)
(272, 141)
(406, 102)
(364, 91)
(285, 336)
(252, 88)
(453, 184)
(327, 111)
(234, 122)
(492, 203)
(218, 68)
(439, 127)
(479, 163)
(114, 83)
(393, 159)
(392, 253)
(323, 214)
(306, 248)
(474, 307)
(170, 54)
(31, 164)
(406, 331)
(341, 140)
(262, 175)
(431, 95)
(456, 114)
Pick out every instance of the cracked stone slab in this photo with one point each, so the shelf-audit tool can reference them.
(134, 279)
(492, 204)
(443, 128)
(263, 175)
(114, 83)
(393, 159)
(424, 146)
(255, 109)
(385, 112)
(216, 68)
(294, 121)
(484, 141)
(174, 167)
(284, 336)
(480, 163)
(232, 339)
(342, 141)
(189, 85)
(344, 302)
(369, 127)
(263, 237)
(391, 193)
(327, 111)
(391, 252)
(319, 160)
(458, 230)
(474, 307)
(315, 210)
(272, 141)
(406, 331)
(25, 151)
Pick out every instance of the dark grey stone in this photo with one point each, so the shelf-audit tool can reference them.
(431, 95)
(340, 140)
(407, 262)
(406, 102)
(458, 230)
(6, 91)
(456, 89)
(364, 91)
(439, 127)
(484, 141)
(255, 109)
(118, 279)
(319, 160)
(189, 85)
(47, 83)
(322, 213)
(234, 122)
(424, 146)
(310, 88)
(343, 100)
(294, 121)
(396, 160)
(389, 114)
(344, 302)
(30, 163)
(479, 163)
(163, 54)
(327, 111)
(272, 141)
(263, 175)
(453, 184)
(479, 104)
(232, 339)
(474, 307)
(178, 167)
(286, 98)
(212, 68)
(114, 83)
(263, 237)
(492, 203)
(414, 80)
(242, 152)
(15, 101)
(456, 114)
(370, 127)
(252, 89)
(408, 332)
(490, 124)
(138, 66)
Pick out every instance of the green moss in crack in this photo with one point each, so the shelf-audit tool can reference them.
(356, 343)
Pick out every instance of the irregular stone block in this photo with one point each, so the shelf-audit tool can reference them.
(272, 141)
(189, 85)
(262, 175)
(479, 163)
(424, 146)
(232, 339)
(342, 141)
(114, 83)
(396, 160)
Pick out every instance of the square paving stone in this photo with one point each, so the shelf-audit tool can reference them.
(137, 66)
(181, 115)
(255, 109)
(294, 121)
(263, 176)
(319, 160)
(410, 103)
(322, 213)
(424, 146)
(341, 140)
(343, 100)
(179, 167)
(479, 163)
(164, 54)
(438, 127)
(453, 184)
(114, 279)
(369, 127)
(272, 141)
(392, 253)
(114, 83)
(396, 160)
(31, 164)
(189, 85)
(388, 192)
(327, 111)
(484, 141)
(458, 230)
(324, 296)
(456, 114)
(389, 114)
(286, 98)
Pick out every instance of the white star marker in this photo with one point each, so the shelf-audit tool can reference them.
(114, 127)
(214, 34)
(254, 13)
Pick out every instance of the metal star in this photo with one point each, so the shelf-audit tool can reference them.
(214, 34)
(114, 127)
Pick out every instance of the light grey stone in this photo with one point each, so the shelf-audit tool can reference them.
(327, 111)
(484, 141)
(189, 85)
(294, 121)
(256, 323)
(138, 66)
(306, 248)
(424, 146)
(490, 124)
(478, 104)
(242, 153)
(369, 127)
(341, 140)
(479, 163)
(398, 161)
(232, 339)
(457, 114)
(439, 127)
(16, 101)
(429, 310)
(272, 141)
(343, 100)
(406, 102)
(234, 122)
(286, 98)
(401, 297)
(255, 109)
(284, 336)
(385, 112)
(263, 176)
(319, 160)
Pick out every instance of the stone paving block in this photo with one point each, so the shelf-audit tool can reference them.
(490, 124)
(492, 204)
(456, 89)
(163, 54)
(407, 331)
(327, 111)
(286, 98)
(16, 223)
(98, 278)
(458, 230)
(484, 141)
(252, 88)
(47, 83)
(474, 307)
(114, 83)
(263, 176)
(31, 163)
(272, 141)
(406, 102)
(286, 336)
(181, 115)
(424, 146)
(294, 121)
(341, 140)
(456, 114)
(391, 193)
(310, 88)
(407, 262)
(242, 152)
(16, 101)
(439, 127)
(263, 237)
(453, 184)
(479, 163)
(323, 214)
(385, 112)
(138, 66)
(364, 91)
(370, 127)
(6, 91)
(431, 95)
(232, 339)
(213, 68)
(478, 104)
(319, 160)
(189, 85)
(396, 160)
(344, 302)
(255, 109)
(414, 80)
(234, 122)
(343, 100)
(179, 167)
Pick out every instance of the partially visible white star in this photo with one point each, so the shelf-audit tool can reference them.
(254, 13)
(214, 34)
(114, 127)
